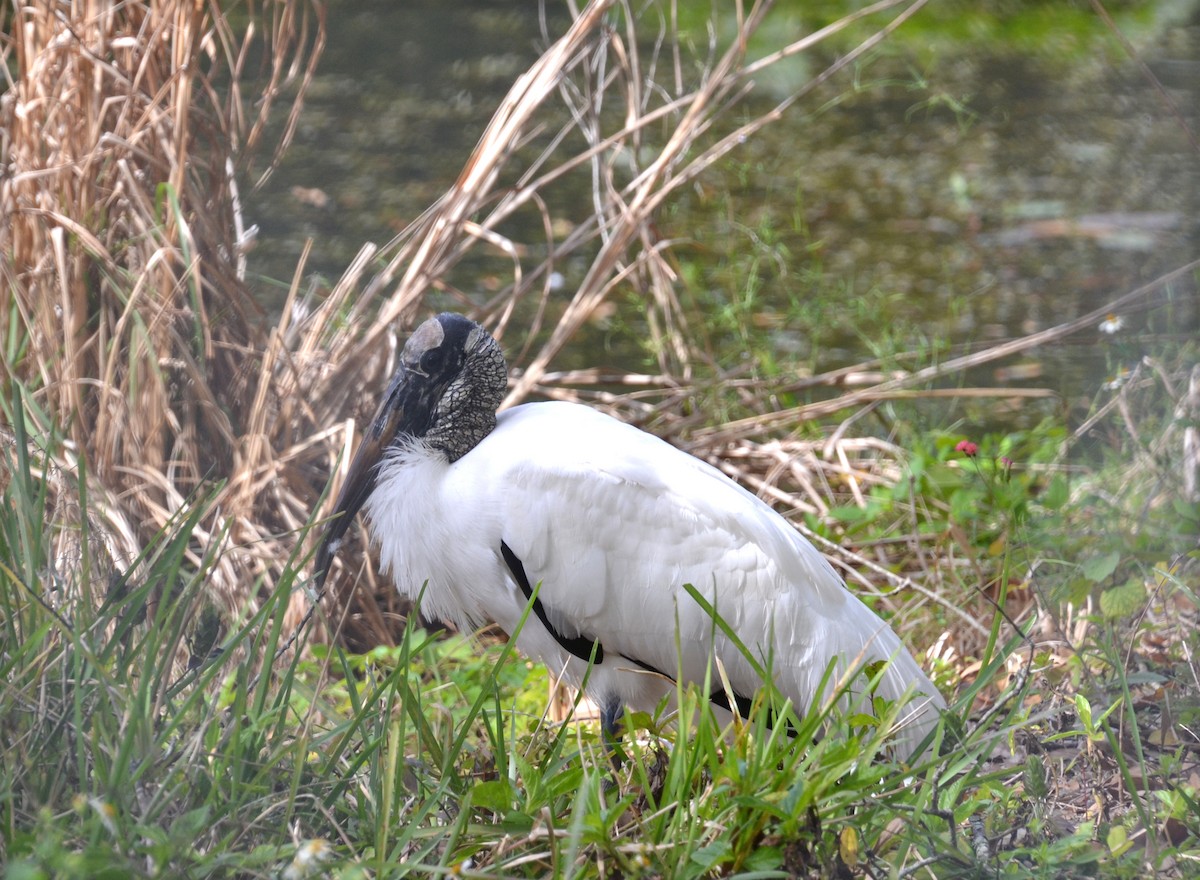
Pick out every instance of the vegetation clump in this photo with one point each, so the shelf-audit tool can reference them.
(167, 710)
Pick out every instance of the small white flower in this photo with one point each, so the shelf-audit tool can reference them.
(1111, 323)
(107, 813)
(308, 856)
(1117, 380)
(313, 851)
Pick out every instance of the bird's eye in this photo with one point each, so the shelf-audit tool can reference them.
(432, 360)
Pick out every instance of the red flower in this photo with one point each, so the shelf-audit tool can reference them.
(966, 447)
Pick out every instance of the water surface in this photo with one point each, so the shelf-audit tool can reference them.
(969, 198)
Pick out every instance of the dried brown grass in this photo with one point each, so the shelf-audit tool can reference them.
(123, 304)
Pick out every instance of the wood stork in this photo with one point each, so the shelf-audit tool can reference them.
(480, 509)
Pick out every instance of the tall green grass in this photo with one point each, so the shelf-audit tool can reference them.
(138, 743)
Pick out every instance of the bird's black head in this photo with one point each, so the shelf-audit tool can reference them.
(450, 380)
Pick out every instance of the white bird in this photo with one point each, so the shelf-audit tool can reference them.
(599, 526)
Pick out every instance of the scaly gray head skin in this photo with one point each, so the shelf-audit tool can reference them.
(451, 378)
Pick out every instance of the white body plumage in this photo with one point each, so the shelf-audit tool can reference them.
(612, 522)
(597, 528)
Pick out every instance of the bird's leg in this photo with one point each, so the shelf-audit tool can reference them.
(612, 715)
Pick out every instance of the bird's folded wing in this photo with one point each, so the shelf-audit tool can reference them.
(613, 523)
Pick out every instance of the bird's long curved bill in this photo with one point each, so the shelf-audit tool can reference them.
(391, 419)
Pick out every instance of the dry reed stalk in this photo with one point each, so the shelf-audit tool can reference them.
(954, 366)
(120, 269)
(586, 67)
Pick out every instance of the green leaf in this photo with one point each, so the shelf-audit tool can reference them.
(1084, 710)
(25, 870)
(1118, 840)
(1075, 591)
(848, 513)
(713, 854)
(190, 825)
(941, 478)
(1123, 601)
(1186, 510)
(791, 801)
(966, 505)
(1035, 778)
(495, 795)
(1057, 493)
(764, 858)
(1100, 568)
